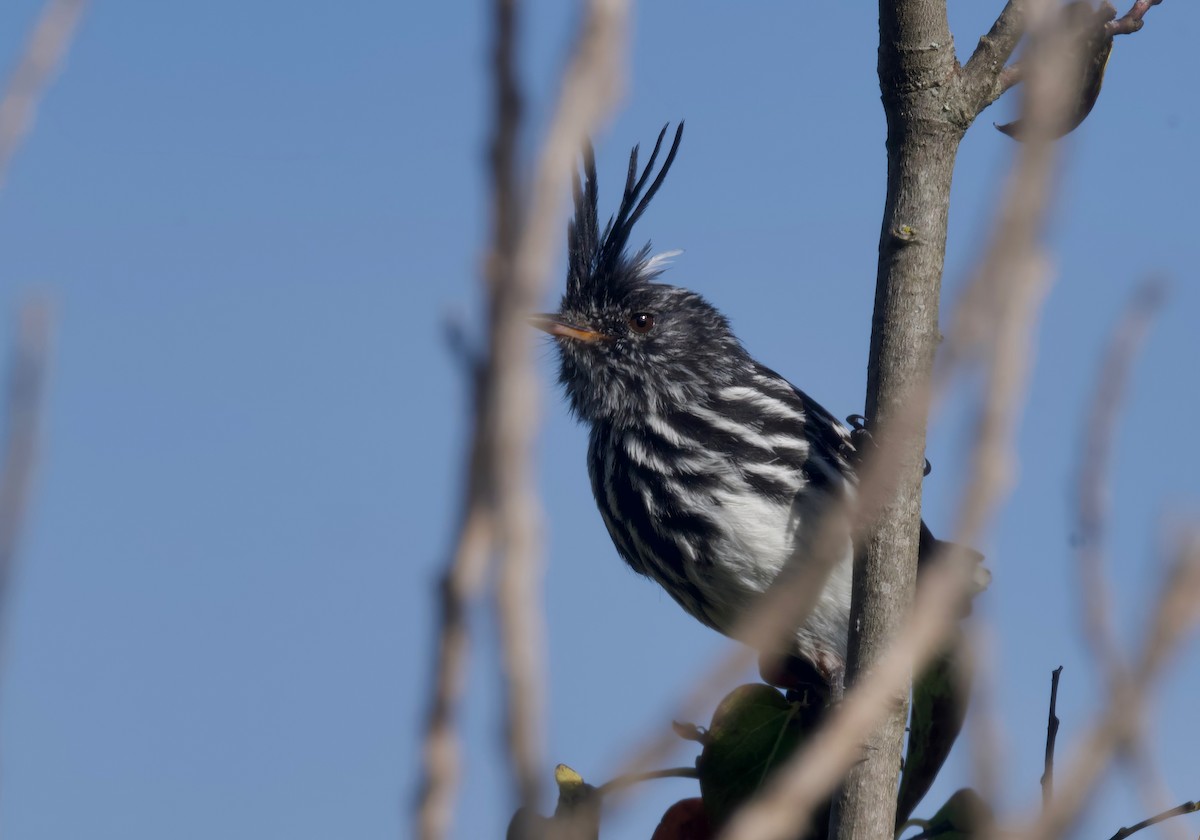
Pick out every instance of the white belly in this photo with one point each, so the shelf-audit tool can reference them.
(759, 537)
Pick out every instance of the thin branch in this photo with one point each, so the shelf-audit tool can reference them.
(1093, 482)
(1051, 737)
(463, 578)
(1176, 612)
(992, 87)
(1131, 21)
(630, 779)
(459, 585)
(500, 507)
(591, 87)
(43, 54)
(984, 78)
(518, 514)
(987, 742)
(1178, 811)
(1009, 78)
(1141, 768)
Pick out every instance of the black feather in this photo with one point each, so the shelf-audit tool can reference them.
(598, 260)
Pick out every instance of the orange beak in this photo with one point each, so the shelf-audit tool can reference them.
(560, 329)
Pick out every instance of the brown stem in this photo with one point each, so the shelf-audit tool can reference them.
(1178, 811)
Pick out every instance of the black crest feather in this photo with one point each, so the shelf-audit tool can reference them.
(597, 259)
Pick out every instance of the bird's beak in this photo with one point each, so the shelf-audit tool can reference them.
(557, 327)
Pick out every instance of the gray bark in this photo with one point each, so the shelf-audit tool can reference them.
(918, 80)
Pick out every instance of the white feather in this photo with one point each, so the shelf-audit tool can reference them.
(658, 263)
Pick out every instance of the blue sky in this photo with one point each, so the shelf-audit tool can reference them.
(255, 220)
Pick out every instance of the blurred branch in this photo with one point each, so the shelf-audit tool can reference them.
(23, 406)
(985, 76)
(1141, 768)
(995, 319)
(1175, 613)
(1178, 811)
(1093, 482)
(43, 53)
(591, 87)
(500, 507)
(1051, 737)
(1131, 21)
(804, 781)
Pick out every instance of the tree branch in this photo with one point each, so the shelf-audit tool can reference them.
(985, 77)
(1176, 612)
(1178, 811)
(1093, 479)
(916, 63)
(1131, 21)
(500, 509)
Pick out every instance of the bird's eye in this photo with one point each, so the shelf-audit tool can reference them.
(641, 322)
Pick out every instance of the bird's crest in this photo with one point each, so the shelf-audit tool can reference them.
(598, 262)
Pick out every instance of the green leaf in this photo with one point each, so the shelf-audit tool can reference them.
(964, 816)
(939, 705)
(754, 730)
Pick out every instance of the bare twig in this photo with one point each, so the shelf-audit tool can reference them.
(985, 86)
(43, 54)
(984, 78)
(1175, 613)
(1141, 768)
(500, 508)
(1131, 21)
(1178, 811)
(1051, 737)
(635, 778)
(26, 383)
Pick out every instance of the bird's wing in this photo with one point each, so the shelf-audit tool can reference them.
(831, 449)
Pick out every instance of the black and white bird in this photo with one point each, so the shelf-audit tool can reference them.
(708, 467)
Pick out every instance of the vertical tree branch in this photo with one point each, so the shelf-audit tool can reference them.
(592, 82)
(1094, 480)
(500, 507)
(916, 67)
(465, 570)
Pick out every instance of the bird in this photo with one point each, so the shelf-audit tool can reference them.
(709, 469)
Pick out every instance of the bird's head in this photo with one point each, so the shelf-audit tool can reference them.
(628, 345)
